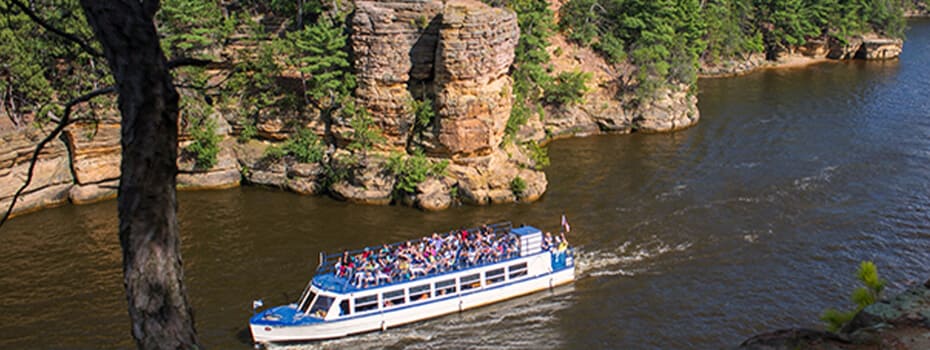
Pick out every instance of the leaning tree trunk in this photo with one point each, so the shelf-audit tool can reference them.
(148, 228)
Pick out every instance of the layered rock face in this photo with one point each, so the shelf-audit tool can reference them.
(83, 166)
(460, 52)
(52, 179)
(394, 46)
(476, 49)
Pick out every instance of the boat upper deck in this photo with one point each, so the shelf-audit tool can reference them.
(429, 256)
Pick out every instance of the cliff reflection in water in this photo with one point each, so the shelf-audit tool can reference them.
(752, 220)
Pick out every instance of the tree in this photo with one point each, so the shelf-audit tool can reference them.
(161, 315)
(865, 295)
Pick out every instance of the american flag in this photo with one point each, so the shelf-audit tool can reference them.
(565, 224)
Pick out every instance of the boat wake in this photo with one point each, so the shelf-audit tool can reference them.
(624, 260)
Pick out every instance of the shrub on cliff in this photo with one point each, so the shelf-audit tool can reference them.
(206, 143)
(410, 171)
(365, 133)
(568, 88)
(538, 154)
(865, 295)
(518, 186)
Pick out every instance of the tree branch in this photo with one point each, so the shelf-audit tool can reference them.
(71, 37)
(65, 120)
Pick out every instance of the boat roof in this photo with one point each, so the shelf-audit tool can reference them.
(524, 230)
(327, 280)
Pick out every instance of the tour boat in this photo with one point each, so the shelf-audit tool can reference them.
(341, 301)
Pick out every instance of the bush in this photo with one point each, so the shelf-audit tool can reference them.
(365, 133)
(865, 295)
(248, 132)
(538, 154)
(518, 186)
(274, 152)
(206, 142)
(568, 88)
(410, 171)
(305, 146)
(423, 111)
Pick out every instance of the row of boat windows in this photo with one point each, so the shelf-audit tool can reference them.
(423, 292)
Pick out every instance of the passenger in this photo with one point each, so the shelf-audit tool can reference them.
(547, 241)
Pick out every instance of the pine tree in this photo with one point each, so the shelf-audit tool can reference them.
(320, 52)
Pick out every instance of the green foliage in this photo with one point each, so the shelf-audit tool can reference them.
(365, 133)
(274, 152)
(663, 38)
(206, 143)
(529, 72)
(568, 88)
(40, 69)
(248, 131)
(518, 186)
(320, 51)
(190, 28)
(410, 171)
(538, 154)
(252, 86)
(863, 296)
(423, 111)
(305, 146)
(730, 30)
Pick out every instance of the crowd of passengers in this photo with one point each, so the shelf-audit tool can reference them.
(434, 254)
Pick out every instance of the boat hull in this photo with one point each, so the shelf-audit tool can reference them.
(414, 312)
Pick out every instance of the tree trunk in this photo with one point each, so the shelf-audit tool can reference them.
(153, 275)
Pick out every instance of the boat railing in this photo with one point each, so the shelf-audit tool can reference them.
(328, 261)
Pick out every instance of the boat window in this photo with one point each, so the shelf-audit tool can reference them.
(445, 287)
(321, 306)
(470, 281)
(419, 293)
(393, 298)
(494, 276)
(366, 303)
(306, 301)
(517, 270)
(344, 308)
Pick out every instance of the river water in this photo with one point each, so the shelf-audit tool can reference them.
(755, 219)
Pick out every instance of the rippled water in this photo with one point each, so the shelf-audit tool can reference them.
(753, 220)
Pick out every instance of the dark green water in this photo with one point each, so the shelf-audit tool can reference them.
(753, 220)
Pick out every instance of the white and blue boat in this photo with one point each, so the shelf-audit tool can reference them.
(343, 299)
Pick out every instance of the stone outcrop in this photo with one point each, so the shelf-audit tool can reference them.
(394, 44)
(901, 322)
(460, 52)
(476, 49)
(671, 109)
(52, 180)
(95, 158)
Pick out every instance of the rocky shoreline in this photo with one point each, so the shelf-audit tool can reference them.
(458, 53)
(869, 46)
(901, 322)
